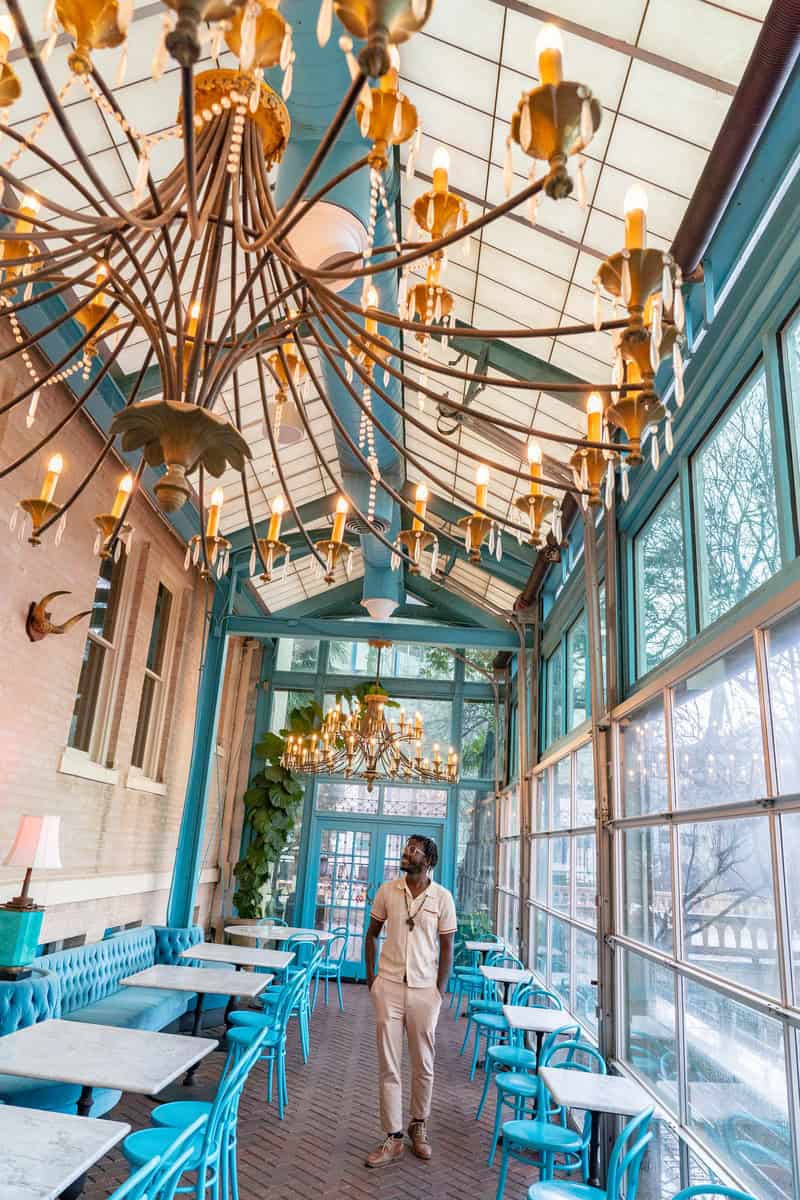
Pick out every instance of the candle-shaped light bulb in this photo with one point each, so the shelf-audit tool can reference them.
(481, 486)
(420, 506)
(594, 417)
(635, 210)
(274, 530)
(550, 53)
(339, 520)
(370, 324)
(124, 490)
(535, 464)
(54, 469)
(441, 169)
(194, 316)
(29, 208)
(217, 497)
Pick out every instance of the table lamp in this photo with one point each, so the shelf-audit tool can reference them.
(35, 848)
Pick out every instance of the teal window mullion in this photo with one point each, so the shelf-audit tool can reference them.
(690, 556)
(781, 447)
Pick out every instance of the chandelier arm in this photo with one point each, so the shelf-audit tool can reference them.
(201, 504)
(326, 141)
(425, 470)
(309, 203)
(337, 483)
(68, 416)
(488, 334)
(387, 487)
(347, 324)
(54, 165)
(502, 422)
(208, 293)
(433, 247)
(187, 108)
(33, 339)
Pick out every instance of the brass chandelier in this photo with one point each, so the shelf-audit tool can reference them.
(111, 273)
(365, 742)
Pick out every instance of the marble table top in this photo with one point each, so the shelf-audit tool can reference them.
(536, 1020)
(44, 1152)
(506, 974)
(485, 947)
(104, 1056)
(240, 956)
(203, 980)
(276, 933)
(598, 1093)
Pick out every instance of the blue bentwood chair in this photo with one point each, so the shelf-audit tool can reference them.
(246, 1026)
(514, 1055)
(213, 1158)
(330, 967)
(158, 1179)
(623, 1169)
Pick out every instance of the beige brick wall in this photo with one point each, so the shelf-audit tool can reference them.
(115, 837)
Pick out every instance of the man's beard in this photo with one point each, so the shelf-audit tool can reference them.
(412, 869)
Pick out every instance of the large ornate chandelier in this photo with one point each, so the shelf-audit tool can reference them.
(208, 234)
(363, 741)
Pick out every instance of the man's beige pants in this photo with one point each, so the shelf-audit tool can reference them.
(399, 1007)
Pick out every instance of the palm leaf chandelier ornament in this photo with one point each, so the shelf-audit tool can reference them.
(207, 238)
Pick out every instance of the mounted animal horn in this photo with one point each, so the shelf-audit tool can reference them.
(38, 624)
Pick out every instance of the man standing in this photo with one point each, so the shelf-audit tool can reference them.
(415, 963)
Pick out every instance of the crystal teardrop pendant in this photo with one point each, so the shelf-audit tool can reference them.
(655, 453)
(491, 539)
(508, 170)
(98, 542)
(626, 486)
(558, 530)
(117, 550)
(583, 199)
(669, 441)
(187, 558)
(12, 520)
(498, 549)
(325, 22)
(626, 279)
(62, 525)
(597, 316)
(666, 284)
(196, 552)
(253, 560)
(286, 56)
(587, 121)
(430, 213)
(395, 560)
(435, 557)
(247, 48)
(288, 79)
(655, 347)
(584, 474)
(34, 402)
(533, 207)
(679, 309)
(609, 486)
(525, 127)
(397, 122)
(365, 121)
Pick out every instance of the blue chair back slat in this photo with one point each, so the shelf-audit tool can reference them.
(336, 949)
(569, 1032)
(159, 1178)
(537, 996)
(712, 1189)
(626, 1157)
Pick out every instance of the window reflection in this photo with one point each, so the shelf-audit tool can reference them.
(649, 1044)
(643, 760)
(554, 697)
(717, 733)
(660, 585)
(783, 650)
(647, 884)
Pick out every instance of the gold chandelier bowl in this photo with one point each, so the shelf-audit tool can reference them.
(633, 413)
(439, 213)
(10, 86)
(89, 315)
(424, 299)
(183, 42)
(381, 23)
(294, 369)
(107, 523)
(475, 527)
(385, 128)
(380, 349)
(273, 552)
(645, 268)
(269, 34)
(415, 542)
(271, 117)
(92, 25)
(596, 462)
(331, 551)
(546, 125)
(536, 509)
(39, 512)
(181, 437)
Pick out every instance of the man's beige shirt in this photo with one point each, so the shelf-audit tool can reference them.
(412, 955)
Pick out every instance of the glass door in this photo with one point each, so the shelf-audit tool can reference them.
(353, 858)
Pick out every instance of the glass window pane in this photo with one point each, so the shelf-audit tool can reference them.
(412, 661)
(737, 1089)
(541, 956)
(783, 650)
(83, 714)
(585, 878)
(541, 851)
(603, 633)
(297, 654)
(560, 815)
(728, 901)
(480, 658)
(158, 634)
(717, 733)
(105, 606)
(542, 816)
(585, 974)
(554, 698)
(647, 886)
(737, 536)
(660, 1175)
(559, 873)
(478, 738)
(584, 786)
(345, 797)
(559, 959)
(790, 837)
(649, 1031)
(643, 766)
(660, 585)
(577, 696)
(352, 658)
(143, 721)
(475, 877)
(414, 802)
(283, 704)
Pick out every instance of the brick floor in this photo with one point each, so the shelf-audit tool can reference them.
(317, 1151)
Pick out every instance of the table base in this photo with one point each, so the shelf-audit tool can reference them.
(594, 1151)
(183, 1090)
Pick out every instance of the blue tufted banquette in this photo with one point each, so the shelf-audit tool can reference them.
(83, 984)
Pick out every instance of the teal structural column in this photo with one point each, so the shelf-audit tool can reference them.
(186, 873)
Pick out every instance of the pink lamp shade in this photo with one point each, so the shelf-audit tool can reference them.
(36, 844)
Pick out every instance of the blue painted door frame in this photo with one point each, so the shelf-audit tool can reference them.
(378, 829)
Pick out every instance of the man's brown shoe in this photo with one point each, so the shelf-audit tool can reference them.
(419, 1140)
(389, 1151)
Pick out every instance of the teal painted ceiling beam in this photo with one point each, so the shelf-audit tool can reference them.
(362, 631)
(459, 608)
